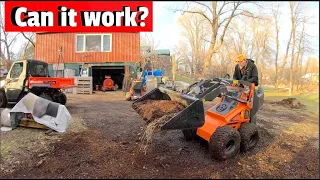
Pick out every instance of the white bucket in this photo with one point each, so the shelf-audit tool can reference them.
(5, 117)
(151, 83)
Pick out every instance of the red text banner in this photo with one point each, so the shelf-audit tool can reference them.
(78, 16)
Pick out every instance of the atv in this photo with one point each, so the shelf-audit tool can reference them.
(32, 76)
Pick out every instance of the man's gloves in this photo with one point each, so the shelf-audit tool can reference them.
(244, 78)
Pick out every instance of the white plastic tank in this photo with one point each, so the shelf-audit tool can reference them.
(151, 83)
(5, 117)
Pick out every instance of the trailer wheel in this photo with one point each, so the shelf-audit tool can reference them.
(224, 143)
(249, 136)
(61, 98)
(46, 96)
(3, 99)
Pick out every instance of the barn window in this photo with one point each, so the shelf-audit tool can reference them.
(93, 43)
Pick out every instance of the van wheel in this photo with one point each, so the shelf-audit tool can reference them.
(3, 99)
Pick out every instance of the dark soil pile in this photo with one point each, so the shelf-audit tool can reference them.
(291, 103)
(151, 110)
(156, 113)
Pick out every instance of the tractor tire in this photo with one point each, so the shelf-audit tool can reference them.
(3, 99)
(46, 96)
(190, 134)
(249, 136)
(224, 143)
(61, 98)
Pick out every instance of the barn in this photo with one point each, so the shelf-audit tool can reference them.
(97, 54)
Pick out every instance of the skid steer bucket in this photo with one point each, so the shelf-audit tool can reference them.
(191, 117)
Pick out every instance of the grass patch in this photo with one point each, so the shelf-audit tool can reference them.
(184, 79)
(310, 100)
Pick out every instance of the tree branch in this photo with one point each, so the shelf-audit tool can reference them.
(28, 39)
(13, 39)
(194, 12)
(202, 4)
(226, 27)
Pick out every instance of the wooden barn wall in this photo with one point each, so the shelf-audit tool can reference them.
(125, 48)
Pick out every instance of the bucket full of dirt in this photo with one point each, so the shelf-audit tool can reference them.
(164, 109)
(169, 109)
(154, 109)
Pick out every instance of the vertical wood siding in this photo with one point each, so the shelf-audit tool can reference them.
(125, 48)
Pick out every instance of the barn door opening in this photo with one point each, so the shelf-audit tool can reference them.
(116, 72)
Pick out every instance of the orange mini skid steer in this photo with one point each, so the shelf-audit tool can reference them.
(228, 126)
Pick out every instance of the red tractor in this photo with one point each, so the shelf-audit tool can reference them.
(108, 84)
(32, 76)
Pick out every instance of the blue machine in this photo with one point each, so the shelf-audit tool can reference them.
(156, 73)
(144, 79)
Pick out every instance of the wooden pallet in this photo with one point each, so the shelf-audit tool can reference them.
(84, 85)
(25, 122)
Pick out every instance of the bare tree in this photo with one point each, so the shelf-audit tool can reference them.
(260, 44)
(276, 14)
(183, 57)
(296, 9)
(293, 27)
(195, 30)
(148, 41)
(30, 37)
(219, 17)
(26, 50)
(7, 41)
(158, 61)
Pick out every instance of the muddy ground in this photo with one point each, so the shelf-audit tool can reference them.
(104, 138)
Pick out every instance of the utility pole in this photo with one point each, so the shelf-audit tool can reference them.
(173, 67)
(59, 58)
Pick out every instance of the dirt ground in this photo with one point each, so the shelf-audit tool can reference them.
(103, 141)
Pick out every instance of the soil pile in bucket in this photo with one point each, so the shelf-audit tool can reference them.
(291, 103)
(151, 110)
(156, 113)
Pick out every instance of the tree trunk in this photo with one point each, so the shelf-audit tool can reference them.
(207, 60)
(293, 48)
(277, 53)
(260, 77)
(8, 52)
(300, 71)
(287, 54)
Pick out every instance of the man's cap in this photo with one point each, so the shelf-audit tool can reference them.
(241, 57)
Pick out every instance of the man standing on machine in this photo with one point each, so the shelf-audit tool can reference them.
(246, 70)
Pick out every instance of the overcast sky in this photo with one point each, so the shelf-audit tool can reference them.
(167, 32)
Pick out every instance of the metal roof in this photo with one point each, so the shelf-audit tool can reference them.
(161, 52)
